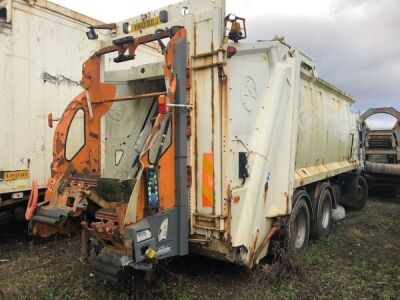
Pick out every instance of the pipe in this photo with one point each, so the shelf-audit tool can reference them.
(134, 97)
(53, 222)
(264, 244)
(380, 168)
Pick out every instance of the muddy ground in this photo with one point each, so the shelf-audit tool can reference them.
(360, 260)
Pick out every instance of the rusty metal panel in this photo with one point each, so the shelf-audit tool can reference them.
(326, 126)
(263, 105)
(316, 173)
(204, 22)
(207, 103)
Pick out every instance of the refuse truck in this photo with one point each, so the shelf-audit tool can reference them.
(39, 74)
(215, 147)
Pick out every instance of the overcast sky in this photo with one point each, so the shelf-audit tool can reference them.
(355, 43)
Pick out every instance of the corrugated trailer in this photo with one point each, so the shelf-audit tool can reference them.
(42, 46)
(216, 148)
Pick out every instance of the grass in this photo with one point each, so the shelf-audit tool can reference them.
(359, 260)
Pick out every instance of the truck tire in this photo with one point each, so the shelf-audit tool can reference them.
(357, 198)
(321, 226)
(361, 195)
(299, 228)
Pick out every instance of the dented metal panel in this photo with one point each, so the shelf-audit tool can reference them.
(266, 98)
(326, 126)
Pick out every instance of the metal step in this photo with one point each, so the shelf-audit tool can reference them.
(208, 228)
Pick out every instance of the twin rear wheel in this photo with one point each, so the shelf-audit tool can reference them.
(322, 224)
(300, 225)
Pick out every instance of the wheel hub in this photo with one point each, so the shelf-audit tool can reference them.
(325, 216)
(301, 230)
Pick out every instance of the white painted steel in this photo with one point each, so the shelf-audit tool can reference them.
(296, 121)
(41, 52)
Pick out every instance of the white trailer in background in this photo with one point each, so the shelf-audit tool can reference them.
(42, 46)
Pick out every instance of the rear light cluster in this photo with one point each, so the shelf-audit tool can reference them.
(231, 51)
(162, 106)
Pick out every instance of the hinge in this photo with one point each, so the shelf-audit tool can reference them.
(189, 176)
(188, 78)
(188, 126)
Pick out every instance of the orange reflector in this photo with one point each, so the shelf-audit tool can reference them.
(208, 179)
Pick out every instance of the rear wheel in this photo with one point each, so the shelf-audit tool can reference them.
(358, 199)
(299, 228)
(321, 226)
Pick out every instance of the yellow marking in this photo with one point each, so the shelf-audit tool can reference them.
(21, 186)
(145, 23)
(16, 175)
(208, 180)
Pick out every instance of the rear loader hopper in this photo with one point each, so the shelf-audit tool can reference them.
(210, 145)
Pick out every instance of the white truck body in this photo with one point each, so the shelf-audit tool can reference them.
(296, 128)
(42, 46)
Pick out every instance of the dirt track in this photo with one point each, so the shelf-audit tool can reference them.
(361, 259)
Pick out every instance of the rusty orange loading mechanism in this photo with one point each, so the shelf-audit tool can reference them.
(73, 189)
